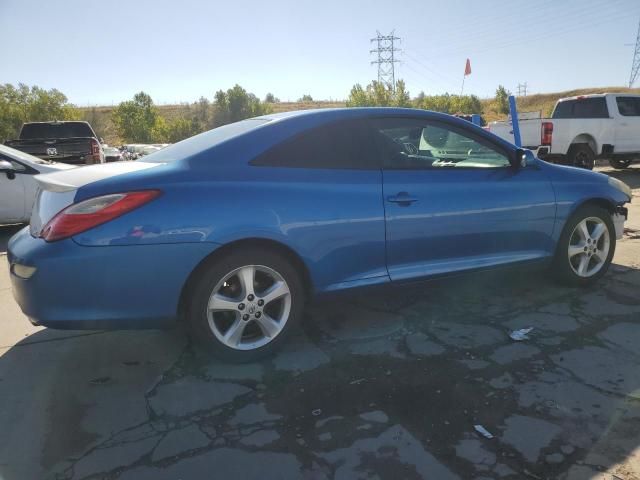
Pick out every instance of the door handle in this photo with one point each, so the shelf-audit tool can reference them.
(402, 198)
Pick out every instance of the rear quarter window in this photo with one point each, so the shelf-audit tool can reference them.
(342, 145)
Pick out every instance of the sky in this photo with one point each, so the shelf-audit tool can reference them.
(103, 52)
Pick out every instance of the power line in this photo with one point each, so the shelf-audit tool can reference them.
(553, 31)
(635, 65)
(522, 89)
(386, 61)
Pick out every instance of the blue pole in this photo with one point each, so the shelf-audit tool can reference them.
(514, 121)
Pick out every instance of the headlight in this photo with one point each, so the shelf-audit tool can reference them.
(620, 185)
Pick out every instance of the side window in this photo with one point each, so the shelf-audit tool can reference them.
(417, 145)
(628, 106)
(18, 167)
(342, 145)
(564, 109)
(590, 108)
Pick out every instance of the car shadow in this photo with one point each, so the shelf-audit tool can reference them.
(424, 363)
(6, 232)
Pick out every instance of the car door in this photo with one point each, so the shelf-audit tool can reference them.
(330, 204)
(454, 202)
(627, 136)
(12, 194)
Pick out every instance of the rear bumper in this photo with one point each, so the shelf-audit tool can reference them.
(76, 287)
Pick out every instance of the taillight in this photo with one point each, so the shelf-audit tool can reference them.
(95, 150)
(546, 134)
(90, 213)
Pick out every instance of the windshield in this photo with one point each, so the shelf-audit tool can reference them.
(55, 130)
(25, 157)
(205, 140)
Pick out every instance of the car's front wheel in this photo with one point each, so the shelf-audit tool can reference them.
(244, 304)
(586, 246)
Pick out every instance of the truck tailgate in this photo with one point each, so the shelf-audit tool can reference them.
(67, 150)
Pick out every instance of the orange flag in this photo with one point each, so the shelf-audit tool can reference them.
(467, 68)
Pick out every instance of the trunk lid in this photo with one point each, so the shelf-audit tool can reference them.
(57, 190)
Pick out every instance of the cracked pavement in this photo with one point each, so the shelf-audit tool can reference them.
(378, 385)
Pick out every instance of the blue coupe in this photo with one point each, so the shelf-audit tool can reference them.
(232, 230)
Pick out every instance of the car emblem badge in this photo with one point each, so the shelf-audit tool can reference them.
(52, 151)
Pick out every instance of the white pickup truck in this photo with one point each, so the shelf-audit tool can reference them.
(581, 129)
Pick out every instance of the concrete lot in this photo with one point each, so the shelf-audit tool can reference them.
(374, 386)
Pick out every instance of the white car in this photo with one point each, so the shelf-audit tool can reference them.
(17, 186)
(582, 129)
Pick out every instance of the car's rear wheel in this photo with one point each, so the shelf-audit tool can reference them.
(586, 246)
(619, 164)
(245, 303)
(582, 156)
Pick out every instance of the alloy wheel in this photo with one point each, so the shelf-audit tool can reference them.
(249, 307)
(589, 246)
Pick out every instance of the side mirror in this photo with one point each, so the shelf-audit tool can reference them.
(524, 158)
(7, 168)
(101, 140)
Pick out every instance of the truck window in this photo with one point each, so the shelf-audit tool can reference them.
(594, 107)
(55, 130)
(628, 106)
(563, 109)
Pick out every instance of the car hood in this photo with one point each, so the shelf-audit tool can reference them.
(71, 179)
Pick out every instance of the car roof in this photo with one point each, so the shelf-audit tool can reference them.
(352, 112)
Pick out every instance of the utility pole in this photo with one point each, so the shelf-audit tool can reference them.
(386, 61)
(522, 89)
(635, 66)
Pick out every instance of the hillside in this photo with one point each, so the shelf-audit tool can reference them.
(100, 117)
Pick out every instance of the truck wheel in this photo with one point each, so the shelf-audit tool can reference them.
(619, 164)
(581, 156)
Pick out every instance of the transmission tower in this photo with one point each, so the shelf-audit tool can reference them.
(386, 50)
(635, 66)
(522, 89)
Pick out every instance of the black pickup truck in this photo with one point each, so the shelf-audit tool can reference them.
(68, 142)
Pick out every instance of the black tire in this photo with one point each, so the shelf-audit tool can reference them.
(561, 266)
(581, 156)
(619, 164)
(213, 272)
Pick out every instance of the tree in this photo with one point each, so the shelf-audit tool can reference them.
(236, 104)
(201, 115)
(31, 104)
(502, 99)
(137, 120)
(179, 129)
(402, 98)
(379, 95)
(446, 103)
(306, 98)
(98, 120)
(271, 98)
